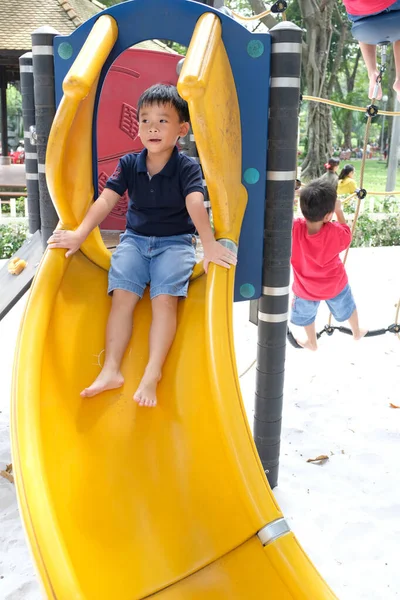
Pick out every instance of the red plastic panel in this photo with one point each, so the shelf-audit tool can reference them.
(134, 71)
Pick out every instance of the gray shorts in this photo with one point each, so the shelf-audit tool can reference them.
(341, 306)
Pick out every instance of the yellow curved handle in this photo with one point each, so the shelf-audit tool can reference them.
(69, 149)
(207, 83)
(86, 68)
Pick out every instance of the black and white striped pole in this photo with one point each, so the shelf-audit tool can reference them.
(28, 115)
(45, 108)
(273, 304)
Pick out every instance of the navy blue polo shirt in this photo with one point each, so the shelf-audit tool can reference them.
(157, 206)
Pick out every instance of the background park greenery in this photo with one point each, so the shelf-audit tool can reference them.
(332, 68)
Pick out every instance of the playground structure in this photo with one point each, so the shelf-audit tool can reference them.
(188, 518)
(236, 542)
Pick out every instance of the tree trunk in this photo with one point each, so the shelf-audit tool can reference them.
(350, 79)
(348, 130)
(317, 16)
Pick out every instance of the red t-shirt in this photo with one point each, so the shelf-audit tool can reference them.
(366, 7)
(319, 274)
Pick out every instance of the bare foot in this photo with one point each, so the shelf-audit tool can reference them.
(360, 334)
(145, 395)
(308, 345)
(372, 83)
(396, 87)
(105, 381)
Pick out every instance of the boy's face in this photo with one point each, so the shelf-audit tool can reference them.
(160, 127)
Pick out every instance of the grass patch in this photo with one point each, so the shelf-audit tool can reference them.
(375, 174)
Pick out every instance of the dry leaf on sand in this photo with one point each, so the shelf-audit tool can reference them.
(7, 474)
(319, 459)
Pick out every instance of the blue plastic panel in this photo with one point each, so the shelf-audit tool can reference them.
(249, 55)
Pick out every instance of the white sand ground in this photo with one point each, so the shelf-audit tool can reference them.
(346, 512)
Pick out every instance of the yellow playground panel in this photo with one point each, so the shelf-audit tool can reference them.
(120, 502)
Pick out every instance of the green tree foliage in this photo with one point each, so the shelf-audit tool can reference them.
(11, 238)
(332, 68)
(14, 101)
(373, 232)
(14, 111)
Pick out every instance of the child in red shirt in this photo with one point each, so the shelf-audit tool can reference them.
(360, 9)
(319, 274)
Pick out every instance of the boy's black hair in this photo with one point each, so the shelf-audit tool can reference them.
(165, 93)
(345, 172)
(317, 199)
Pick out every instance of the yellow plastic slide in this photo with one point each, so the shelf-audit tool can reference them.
(121, 502)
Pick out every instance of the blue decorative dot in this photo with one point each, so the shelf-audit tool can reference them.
(65, 50)
(247, 290)
(255, 48)
(251, 175)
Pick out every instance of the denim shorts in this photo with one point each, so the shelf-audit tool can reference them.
(166, 263)
(341, 306)
(394, 6)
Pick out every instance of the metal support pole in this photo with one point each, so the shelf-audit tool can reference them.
(44, 90)
(393, 151)
(382, 144)
(4, 158)
(273, 304)
(28, 114)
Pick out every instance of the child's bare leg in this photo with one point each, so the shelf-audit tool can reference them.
(118, 334)
(311, 342)
(162, 334)
(355, 327)
(369, 55)
(396, 54)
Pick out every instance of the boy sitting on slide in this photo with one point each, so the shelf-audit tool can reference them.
(166, 206)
